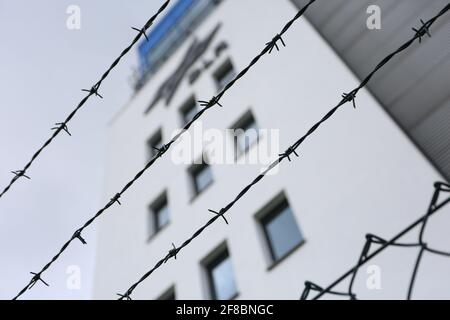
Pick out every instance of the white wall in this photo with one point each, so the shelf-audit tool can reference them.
(358, 174)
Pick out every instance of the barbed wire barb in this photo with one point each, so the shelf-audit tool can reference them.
(116, 199)
(93, 91)
(77, 235)
(141, 31)
(20, 173)
(287, 154)
(161, 150)
(36, 278)
(172, 253)
(62, 126)
(211, 103)
(422, 31)
(221, 214)
(350, 97)
(274, 43)
(125, 296)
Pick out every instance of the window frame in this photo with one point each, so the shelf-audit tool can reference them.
(155, 208)
(245, 119)
(186, 107)
(194, 170)
(221, 70)
(218, 256)
(156, 136)
(274, 208)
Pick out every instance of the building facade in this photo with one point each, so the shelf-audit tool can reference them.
(359, 173)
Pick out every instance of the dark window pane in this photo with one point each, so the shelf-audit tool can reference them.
(189, 111)
(202, 176)
(246, 134)
(162, 217)
(155, 142)
(160, 213)
(222, 279)
(224, 75)
(282, 232)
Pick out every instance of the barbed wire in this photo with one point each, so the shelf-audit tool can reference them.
(366, 256)
(163, 149)
(93, 91)
(292, 150)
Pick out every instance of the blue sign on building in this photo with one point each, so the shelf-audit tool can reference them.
(166, 36)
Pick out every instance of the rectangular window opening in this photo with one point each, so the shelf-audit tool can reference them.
(188, 110)
(221, 280)
(154, 143)
(201, 176)
(246, 133)
(160, 214)
(224, 74)
(280, 229)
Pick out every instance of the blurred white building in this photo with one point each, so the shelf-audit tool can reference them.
(359, 173)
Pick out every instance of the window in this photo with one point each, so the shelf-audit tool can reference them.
(224, 74)
(160, 214)
(281, 231)
(222, 284)
(168, 295)
(201, 176)
(156, 141)
(188, 110)
(246, 133)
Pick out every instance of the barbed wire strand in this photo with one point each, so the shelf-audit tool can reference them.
(346, 98)
(365, 257)
(163, 149)
(94, 91)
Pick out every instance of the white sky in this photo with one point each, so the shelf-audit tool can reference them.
(43, 67)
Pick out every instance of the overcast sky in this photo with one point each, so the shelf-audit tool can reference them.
(43, 67)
